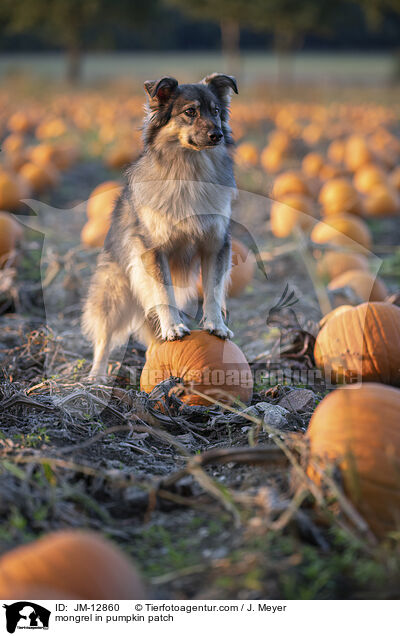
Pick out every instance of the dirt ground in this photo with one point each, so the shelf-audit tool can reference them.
(201, 498)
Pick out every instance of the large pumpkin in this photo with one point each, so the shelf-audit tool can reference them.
(9, 192)
(271, 158)
(51, 128)
(357, 428)
(20, 122)
(336, 151)
(367, 286)
(289, 183)
(357, 153)
(99, 208)
(13, 143)
(39, 177)
(43, 154)
(312, 164)
(344, 229)
(93, 234)
(382, 200)
(368, 176)
(330, 171)
(339, 196)
(68, 565)
(242, 270)
(101, 201)
(121, 155)
(361, 343)
(246, 155)
(331, 264)
(214, 366)
(293, 210)
(280, 140)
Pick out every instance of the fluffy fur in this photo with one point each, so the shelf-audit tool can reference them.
(172, 218)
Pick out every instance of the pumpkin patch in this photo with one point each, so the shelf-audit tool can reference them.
(198, 489)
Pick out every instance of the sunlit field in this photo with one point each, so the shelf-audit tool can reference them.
(294, 494)
(325, 68)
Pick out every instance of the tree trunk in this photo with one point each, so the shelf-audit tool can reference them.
(230, 40)
(395, 75)
(74, 63)
(284, 45)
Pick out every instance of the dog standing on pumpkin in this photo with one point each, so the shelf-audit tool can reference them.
(172, 218)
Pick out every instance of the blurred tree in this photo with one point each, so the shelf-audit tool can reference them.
(66, 22)
(288, 20)
(376, 12)
(229, 13)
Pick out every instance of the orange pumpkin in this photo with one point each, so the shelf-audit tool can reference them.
(121, 155)
(289, 183)
(43, 154)
(357, 152)
(242, 271)
(271, 159)
(216, 368)
(93, 234)
(69, 565)
(339, 196)
(293, 210)
(357, 428)
(20, 122)
(312, 134)
(368, 176)
(312, 164)
(9, 192)
(336, 151)
(332, 264)
(50, 128)
(246, 155)
(38, 177)
(334, 312)
(361, 344)
(344, 229)
(280, 140)
(382, 200)
(13, 143)
(102, 200)
(329, 171)
(367, 286)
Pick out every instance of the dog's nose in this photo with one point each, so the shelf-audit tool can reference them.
(215, 136)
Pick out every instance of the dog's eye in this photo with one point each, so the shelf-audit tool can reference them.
(190, 112)
(217, 110)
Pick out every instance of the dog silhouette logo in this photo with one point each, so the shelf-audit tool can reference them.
(26, 615)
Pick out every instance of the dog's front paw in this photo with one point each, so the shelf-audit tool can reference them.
(218, 329)
(176, 332)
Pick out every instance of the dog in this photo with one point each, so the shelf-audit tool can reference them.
(172, 218)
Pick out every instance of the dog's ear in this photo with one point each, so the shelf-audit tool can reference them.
(221, 84)
(160, 91)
